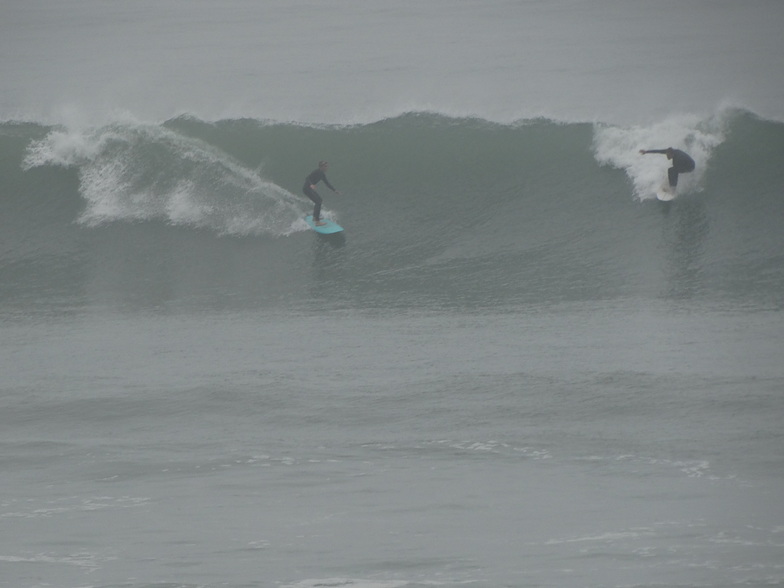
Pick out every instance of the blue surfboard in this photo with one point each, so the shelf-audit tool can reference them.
(327, 228)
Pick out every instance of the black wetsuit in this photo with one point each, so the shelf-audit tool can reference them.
(682, 163)
(314, 178)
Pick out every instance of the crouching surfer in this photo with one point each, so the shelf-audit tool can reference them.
(682, 163)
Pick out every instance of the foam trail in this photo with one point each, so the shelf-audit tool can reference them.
(134, 172)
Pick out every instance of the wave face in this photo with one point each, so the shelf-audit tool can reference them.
(439, 211)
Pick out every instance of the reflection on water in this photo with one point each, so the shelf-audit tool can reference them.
(684, 234)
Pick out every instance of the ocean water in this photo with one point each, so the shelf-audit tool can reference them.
(515, 368)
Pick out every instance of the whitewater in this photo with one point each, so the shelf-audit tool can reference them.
(515, 368)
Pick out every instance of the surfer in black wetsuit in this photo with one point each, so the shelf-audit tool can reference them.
(309, 189)
(682, 163)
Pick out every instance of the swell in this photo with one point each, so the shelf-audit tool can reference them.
(437, 209)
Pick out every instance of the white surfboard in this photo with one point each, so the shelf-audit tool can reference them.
(665, 193)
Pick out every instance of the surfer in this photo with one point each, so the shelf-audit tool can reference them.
(309, 189)
(682, 163)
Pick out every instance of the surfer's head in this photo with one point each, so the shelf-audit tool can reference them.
(670, 152)
(323, 165)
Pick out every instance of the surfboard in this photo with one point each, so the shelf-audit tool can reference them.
(328, 228)
(665, 193)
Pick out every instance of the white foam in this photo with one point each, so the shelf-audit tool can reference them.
(80, 560)
(135, 172)
(345, 582)
(620, 147)
(608, 537)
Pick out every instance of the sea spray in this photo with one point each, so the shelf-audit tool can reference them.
(620, 147)
(138, 172)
